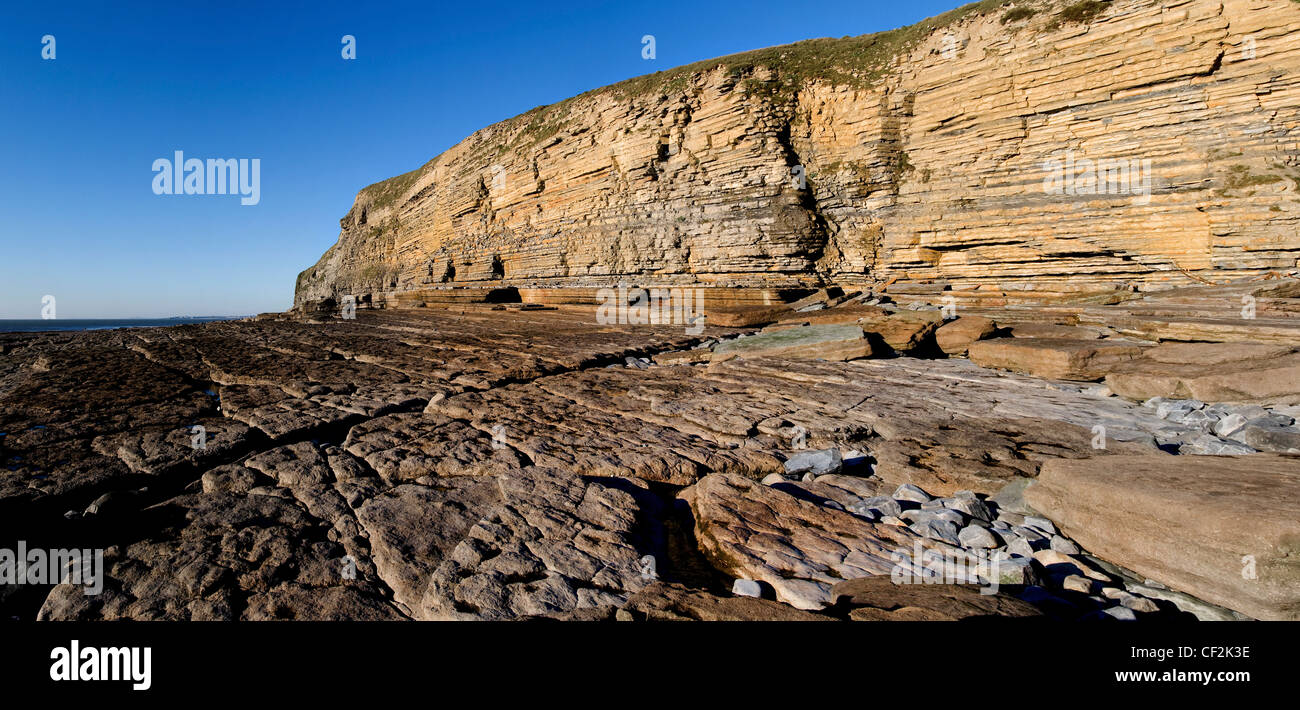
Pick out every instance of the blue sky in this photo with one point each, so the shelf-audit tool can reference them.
(131, 84)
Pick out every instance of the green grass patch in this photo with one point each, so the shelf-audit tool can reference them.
(1017, 14)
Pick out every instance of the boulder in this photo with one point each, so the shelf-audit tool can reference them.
(1223, 529)
(1054, 358)
(817, 342)
(955, 337)
(1271, 438)
(904, 331)
(1211, 372)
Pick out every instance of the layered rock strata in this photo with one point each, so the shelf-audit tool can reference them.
(1025, 149)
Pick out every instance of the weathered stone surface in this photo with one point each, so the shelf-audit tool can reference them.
(205, 548)
(817, 463)
(745, 316)
(880, 599)
(1263, 438)
(412, 528)
(1054, 358)
(1179, 520)
(1053, 331)
(408, 447)
(955, 337)
(673, 602)
(558, 543)
(1212, 372)
(381, 445)
(817, 342)
(798, 548)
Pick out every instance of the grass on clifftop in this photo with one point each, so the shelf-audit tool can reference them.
(856, 62)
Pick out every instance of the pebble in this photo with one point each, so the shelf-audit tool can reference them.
(936, 529)
(860, 509)
(1114, 593)
(1020, 546)
(1013, 519)
(1063, 546)
(1142, 604)
(883, 505)
(1036, 539)
(1171, 409)
(1077, 583)
(972, 507)
(816, 462)
(1014, 570)
(747, 588)
(1121, 613)
(977, 537)
(911, 493)
(1199, 418)
(1042, 524)
(1208, 444)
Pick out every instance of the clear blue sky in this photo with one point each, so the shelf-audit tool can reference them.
(79, 134)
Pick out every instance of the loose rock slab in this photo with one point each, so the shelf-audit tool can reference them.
(1054, 358)
(1224, 529)
(814, 342)
(800, 548)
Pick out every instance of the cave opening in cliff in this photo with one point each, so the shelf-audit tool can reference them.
(450, 273)
(498, 268)
(509, 294)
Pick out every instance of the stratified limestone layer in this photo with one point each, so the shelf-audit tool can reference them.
(1037, 159)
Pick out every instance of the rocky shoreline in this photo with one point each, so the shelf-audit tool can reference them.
(892, 454)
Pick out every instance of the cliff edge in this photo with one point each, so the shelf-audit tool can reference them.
(1002, 143)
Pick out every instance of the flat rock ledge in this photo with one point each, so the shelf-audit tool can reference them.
(834, 458)
(1224, 529)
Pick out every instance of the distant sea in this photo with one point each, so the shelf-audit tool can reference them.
(31, 326)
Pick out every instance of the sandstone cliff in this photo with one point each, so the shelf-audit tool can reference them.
(925, 153)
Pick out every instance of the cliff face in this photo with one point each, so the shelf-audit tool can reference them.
(1125, 141)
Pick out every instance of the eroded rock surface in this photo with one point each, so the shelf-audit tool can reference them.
(1225, 529)
(480, 461)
